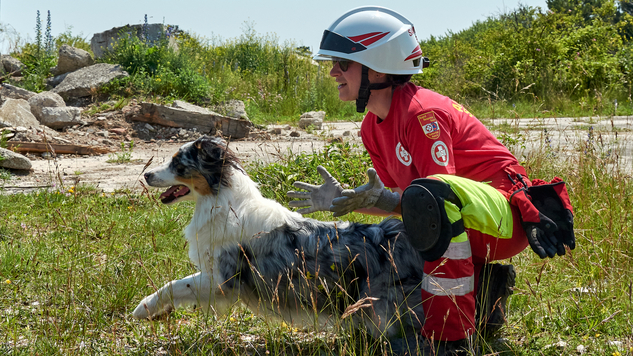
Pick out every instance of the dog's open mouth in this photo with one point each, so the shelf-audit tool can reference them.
(174, 193)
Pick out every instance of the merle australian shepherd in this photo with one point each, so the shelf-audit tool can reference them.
(279, 263)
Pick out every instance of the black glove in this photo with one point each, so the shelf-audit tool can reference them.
(546, 216)
(552, 200)
(542, 237)
(539, 229)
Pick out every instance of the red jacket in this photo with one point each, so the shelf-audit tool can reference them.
(427, 133)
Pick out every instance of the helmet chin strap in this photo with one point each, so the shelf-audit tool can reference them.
(365, 89)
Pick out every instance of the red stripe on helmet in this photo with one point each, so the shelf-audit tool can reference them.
(368, 38)
(371, 40)
(417, 52)
(363, 37)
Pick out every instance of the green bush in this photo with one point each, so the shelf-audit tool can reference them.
(279, 80)
(156, 70)
(68, 38)
(529, 55)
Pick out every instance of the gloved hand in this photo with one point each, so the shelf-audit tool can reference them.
(317, 197)
(539, 229)
(552, 200)
(372, 194)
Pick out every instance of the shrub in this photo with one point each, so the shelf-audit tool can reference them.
(530, 55)
(156, 70)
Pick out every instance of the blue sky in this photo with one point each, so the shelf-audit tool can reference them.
(302, 22)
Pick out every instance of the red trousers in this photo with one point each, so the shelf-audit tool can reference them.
(449, 289)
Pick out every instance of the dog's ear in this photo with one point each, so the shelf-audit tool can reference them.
(212, 155)
(210, 149)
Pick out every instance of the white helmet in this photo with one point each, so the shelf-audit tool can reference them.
(376, 37)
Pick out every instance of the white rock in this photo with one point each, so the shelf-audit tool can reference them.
(17, 112)
(45, 99)
(60, 117)
(70, 59)
(314, 118)
(13, 160)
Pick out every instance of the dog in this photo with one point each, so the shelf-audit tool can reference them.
(279, 263)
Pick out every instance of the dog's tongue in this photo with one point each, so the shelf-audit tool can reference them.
(173, 193)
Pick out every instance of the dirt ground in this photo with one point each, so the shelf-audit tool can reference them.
(123, 168)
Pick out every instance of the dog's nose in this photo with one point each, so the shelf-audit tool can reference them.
(147, 176)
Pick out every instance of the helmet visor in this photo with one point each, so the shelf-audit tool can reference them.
(334, 42)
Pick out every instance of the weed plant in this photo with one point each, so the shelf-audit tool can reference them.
(125, 156)
(40, 57)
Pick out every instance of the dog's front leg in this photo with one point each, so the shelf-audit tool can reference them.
(192, 290)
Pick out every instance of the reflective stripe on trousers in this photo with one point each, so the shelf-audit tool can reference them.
(451, 286)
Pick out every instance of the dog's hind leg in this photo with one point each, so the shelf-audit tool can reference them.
(193, 290)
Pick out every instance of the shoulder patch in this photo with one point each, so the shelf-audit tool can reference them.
(403, 156)
(429, 125)
(439, 152)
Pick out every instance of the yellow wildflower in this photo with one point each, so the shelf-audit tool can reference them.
(8, 281)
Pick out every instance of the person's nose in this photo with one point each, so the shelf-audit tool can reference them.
(335, 71)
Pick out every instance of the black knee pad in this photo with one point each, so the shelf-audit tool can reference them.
(425, 219)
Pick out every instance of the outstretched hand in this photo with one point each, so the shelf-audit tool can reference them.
(315, 197)
(372, 194)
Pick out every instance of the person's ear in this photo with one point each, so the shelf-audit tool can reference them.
(377, 77)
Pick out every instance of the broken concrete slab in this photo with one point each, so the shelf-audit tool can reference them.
(177, 117)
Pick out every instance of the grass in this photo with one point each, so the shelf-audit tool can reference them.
(100, 107)
(125, 156)
(552, 108)
(4, 174)
(74, 262)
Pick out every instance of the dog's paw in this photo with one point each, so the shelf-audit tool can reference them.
(148, 308)
(141, 311)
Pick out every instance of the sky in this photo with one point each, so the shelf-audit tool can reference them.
(297, 21)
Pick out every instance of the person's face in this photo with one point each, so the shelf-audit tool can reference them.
(348, 76)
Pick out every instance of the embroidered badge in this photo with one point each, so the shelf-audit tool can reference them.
(439, 152)
(429, 125)
(403, 156)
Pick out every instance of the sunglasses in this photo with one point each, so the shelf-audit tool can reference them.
(342, 63)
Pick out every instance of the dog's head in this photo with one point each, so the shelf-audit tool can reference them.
(199, 167)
